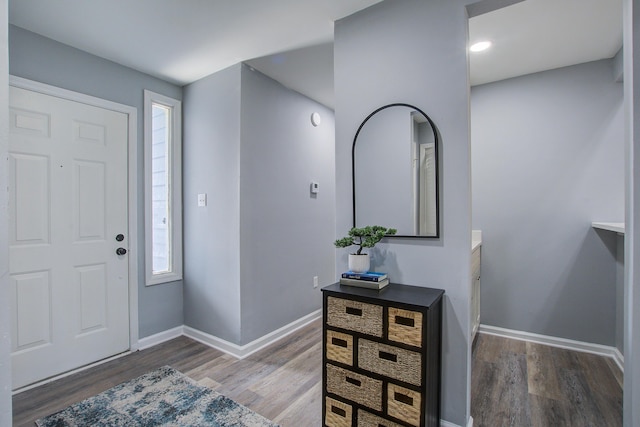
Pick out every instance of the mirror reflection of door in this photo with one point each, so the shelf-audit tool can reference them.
(424, 176)
(395, 172)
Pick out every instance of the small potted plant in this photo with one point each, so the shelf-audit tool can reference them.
(365, 237)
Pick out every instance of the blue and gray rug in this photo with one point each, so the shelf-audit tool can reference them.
(163, 397)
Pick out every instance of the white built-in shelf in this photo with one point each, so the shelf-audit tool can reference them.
(476, 239)
(617, 227)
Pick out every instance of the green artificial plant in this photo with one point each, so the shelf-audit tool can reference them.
(365, 237)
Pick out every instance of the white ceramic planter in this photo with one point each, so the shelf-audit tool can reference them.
(359, 263)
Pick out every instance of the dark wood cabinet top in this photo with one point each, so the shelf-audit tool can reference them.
(393, 292)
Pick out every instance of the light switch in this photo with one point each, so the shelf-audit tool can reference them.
(315, 187)
(202, 200)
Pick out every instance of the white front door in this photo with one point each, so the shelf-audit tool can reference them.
(67, 205)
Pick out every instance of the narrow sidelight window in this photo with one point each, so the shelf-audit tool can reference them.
(163, 183)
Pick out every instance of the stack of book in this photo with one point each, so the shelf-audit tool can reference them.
(370, 279)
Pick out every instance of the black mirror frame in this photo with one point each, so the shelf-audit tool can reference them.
(437, 167)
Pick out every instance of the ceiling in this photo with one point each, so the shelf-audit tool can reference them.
(291, 40)
(538, 35)
(307, 70)
(183, 40)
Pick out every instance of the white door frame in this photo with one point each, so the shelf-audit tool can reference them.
(132, 159)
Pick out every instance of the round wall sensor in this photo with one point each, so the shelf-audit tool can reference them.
(315, 119)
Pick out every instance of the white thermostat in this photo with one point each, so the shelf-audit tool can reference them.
(314, 187)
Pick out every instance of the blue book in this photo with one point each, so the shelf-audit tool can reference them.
(369, 276)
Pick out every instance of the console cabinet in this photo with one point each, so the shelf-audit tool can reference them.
(381, 356)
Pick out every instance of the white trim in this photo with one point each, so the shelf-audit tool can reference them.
(70, 95)
(444, 423)
(235, 350)
(132, 114)
(134, 329)
(160, 337)
(66, 374)
(175, 174)
(618, 358)
(585, 347)
(243, 351)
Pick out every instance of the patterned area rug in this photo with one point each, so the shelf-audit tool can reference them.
(163, 397)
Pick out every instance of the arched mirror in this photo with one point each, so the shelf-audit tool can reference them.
(395, 172)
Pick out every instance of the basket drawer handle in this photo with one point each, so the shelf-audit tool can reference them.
(388, 356)
(405, 321)
(354, 311)
(403, 398)
(353, 381)
(338, 342)
(339, 411)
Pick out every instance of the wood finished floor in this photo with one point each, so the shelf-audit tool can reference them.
(517, 383)
(513, 383)
(281, 382)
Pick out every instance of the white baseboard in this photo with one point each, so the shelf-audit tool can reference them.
(585, 347)
(242, 351)
(444, 423)
(618, 358)
(160, 337)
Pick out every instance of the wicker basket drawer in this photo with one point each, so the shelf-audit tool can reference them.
(405, 326)
(338, 414)
(404, 404)
(364, 390)
(366, 419)
(340, 347)
(355, 316)
(393, 362)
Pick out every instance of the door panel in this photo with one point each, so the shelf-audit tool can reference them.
(32, 295)
(89, 187)
(27, 122)
(91, 285)
(29, 175)
(68, 201)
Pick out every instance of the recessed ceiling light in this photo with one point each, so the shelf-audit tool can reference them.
(480, 46)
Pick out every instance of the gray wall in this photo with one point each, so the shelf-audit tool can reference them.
(413, 51)
(211, 164)
(548, 159)
(250, 256)
(5, 307)
(41, 59)
(286, 233)
(631, 43)
(618, 65)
